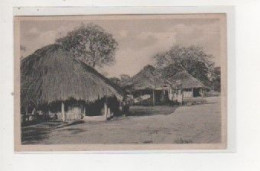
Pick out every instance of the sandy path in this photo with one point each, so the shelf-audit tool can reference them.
(188, 124)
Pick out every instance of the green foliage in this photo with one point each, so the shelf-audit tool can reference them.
(91, 44)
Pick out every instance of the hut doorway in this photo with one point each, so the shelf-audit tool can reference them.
(97, 108)
(161, 96)
(196, 92)
(94, 109)
(157, 96)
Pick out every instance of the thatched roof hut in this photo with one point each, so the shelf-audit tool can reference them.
(185, 86)
(147, 82)
(50, 74)
(186, 80)
(147, 78)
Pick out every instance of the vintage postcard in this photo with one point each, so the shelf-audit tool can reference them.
(120, 82)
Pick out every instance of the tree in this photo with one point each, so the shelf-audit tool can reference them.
(191, 59)
(169, 70)
(91, 44)
(216, 79)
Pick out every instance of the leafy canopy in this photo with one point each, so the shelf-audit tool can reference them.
(191, 59)
(91, 44)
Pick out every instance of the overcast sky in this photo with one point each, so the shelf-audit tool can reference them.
(139, 39)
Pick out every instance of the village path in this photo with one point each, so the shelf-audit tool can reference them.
(187, 124)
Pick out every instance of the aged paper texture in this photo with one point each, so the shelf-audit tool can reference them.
(120, 82)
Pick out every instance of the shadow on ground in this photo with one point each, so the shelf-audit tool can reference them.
(151, 110)
(34, 133)
(32, 136)
(74, 130)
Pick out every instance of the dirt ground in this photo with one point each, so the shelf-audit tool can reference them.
(158, 124)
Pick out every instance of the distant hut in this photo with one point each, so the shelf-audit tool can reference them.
(54, 82)
(185, 86)
(148, 87)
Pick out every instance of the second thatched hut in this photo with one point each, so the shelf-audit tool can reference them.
(148, 87)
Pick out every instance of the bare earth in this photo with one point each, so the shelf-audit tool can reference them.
(159, 124)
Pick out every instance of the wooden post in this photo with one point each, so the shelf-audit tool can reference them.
(192, 92)
(33, 114)
(182, 96)
(153, 98)
(49, 114)
(108, 113)
(202, 92)
(63, 112)
(84, 111)
(105, 110)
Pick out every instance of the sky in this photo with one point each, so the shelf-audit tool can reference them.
(139, 37)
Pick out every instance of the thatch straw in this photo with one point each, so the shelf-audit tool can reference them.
(51, 74)
(147, 78)
(186, 80)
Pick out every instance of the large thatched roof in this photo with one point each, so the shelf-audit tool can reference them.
(186, 80)
(51, 74)
(147, 78)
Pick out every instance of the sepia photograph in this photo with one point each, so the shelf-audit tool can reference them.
(169, 85)
(120, 82)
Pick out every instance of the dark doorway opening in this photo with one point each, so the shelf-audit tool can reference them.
(196, 92)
